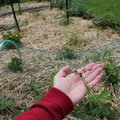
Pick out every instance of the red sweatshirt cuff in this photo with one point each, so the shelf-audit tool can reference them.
(60, 99)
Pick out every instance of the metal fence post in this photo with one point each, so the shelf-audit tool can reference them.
(15, 18)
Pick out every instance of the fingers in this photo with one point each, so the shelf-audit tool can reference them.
(87, 73)
(64, 71)
(95, 73)
(95, 81)
(87, 67)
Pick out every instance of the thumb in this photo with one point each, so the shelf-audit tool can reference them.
(64, 71)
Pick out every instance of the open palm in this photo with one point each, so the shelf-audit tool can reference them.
(72, 84)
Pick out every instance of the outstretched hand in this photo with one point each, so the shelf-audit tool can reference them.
(72, 84)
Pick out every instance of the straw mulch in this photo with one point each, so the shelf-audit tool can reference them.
(44, 32)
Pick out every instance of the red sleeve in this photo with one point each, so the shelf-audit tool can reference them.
(55, 105)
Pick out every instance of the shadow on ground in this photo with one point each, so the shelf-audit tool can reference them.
(29, 10)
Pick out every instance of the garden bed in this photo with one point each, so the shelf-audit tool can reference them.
(42, 39)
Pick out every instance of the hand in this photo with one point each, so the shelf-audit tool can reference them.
(72, 84)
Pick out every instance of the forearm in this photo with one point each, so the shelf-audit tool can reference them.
(55, 105)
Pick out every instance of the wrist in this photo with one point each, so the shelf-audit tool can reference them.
(69, 95)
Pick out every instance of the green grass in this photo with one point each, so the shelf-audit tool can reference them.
(107, 9)
(105, 13)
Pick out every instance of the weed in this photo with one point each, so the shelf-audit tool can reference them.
(89, 110)
(111, 72)
(38, 97)
(35, 87)
(52, 75)
(104, 56)
(15, 37)
(36, 14)
(15, 64)
(110, 67)
(60, 4)
(5, 104)
(75, 40)
(67, 53)
(64, 22)
(20, 110)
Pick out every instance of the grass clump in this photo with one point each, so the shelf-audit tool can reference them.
(15, 37)
(15, 64)
(67, 53)
(35, 14)
(5, 104)
(39, 15)
(75, 40)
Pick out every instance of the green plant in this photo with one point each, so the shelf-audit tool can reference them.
(89, 109)
(63, 22)
(5, 104)
(15, 64)
(75, 40)
(19, 110)
(15, 37)
(35, 14)
(111, 72)
(60, 4)
(110, 67)
(35, 87)
(67, 53)
(52, 75)
(104, 55)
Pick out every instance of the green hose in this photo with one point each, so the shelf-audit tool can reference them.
(17, 48)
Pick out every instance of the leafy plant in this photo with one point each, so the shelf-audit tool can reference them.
(111, 72)
(35, 87)
(15, 64)
(15, 37)
(5, 104)
(67, 53)
(89, 109)
(110, 67)
(60, 4)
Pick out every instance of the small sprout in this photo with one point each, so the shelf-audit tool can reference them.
(15, 65)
